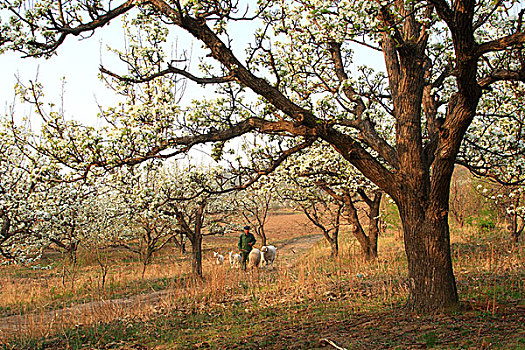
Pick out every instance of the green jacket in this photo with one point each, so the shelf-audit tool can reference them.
(246, 242)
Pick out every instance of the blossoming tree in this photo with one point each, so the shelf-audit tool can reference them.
(495, 149)
(440, 58)
(328, 189)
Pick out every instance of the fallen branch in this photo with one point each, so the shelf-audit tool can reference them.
(331, 343)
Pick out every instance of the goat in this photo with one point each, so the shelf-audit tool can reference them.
(219, 259)
(235, 259)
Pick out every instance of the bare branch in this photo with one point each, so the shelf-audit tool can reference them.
(169, 70)
(283, 155)
(483, 19)
(65, 30)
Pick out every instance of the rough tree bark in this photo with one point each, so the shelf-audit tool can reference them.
(196, 253)
(191, 224)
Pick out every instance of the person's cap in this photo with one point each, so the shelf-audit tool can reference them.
(246, 227)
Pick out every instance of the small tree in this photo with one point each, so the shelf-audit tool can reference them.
(194, 199)
(319, 207)
(495, 151)
(67, 211)
(318, 173)
(138, 193)
(255, 203)
(23, 187)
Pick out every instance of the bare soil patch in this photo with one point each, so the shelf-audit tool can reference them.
(399, 329)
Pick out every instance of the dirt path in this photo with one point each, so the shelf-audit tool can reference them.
(288, 252)
(51, 318)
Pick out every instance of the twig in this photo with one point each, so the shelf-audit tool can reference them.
(332, 343)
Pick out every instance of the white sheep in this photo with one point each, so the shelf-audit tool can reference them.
(219, 259)
(254, 258)
(269, 253)
(235, 259)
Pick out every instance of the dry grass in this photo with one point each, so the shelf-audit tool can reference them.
(488, 268)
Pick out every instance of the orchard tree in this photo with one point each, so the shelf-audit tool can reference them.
(402, 130)
(254, 204)
(328, 189)
(320, 208)
(21, 188)
(195, 199)
(516, 212)
(137, 194)
(35, 211)
(463, 203)
(105, 222)
(507, 201)
(495, 151)
(66, 216)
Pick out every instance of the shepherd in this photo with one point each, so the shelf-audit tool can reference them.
(246, 243)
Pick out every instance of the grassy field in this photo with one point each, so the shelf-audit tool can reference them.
(308, 301)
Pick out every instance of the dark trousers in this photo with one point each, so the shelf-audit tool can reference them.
(244, 260)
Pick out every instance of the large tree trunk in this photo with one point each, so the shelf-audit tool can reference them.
(427, 243)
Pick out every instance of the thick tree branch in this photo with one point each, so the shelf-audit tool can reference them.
(502, 75)
(305, 123)
(337, 59)
(222, 53)
(443, 10)
(500, 44)
(391, 63)
(388, 19)
(370, 167)
(368, 133)
(183, 144)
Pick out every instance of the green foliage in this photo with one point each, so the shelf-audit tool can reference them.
(430, 339)
(486, 223)
(390, 216)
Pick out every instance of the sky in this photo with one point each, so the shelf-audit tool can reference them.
(78, 60)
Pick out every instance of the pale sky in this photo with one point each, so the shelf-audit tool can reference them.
(78, 61)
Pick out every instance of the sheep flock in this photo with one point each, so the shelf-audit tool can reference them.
(264, 257)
